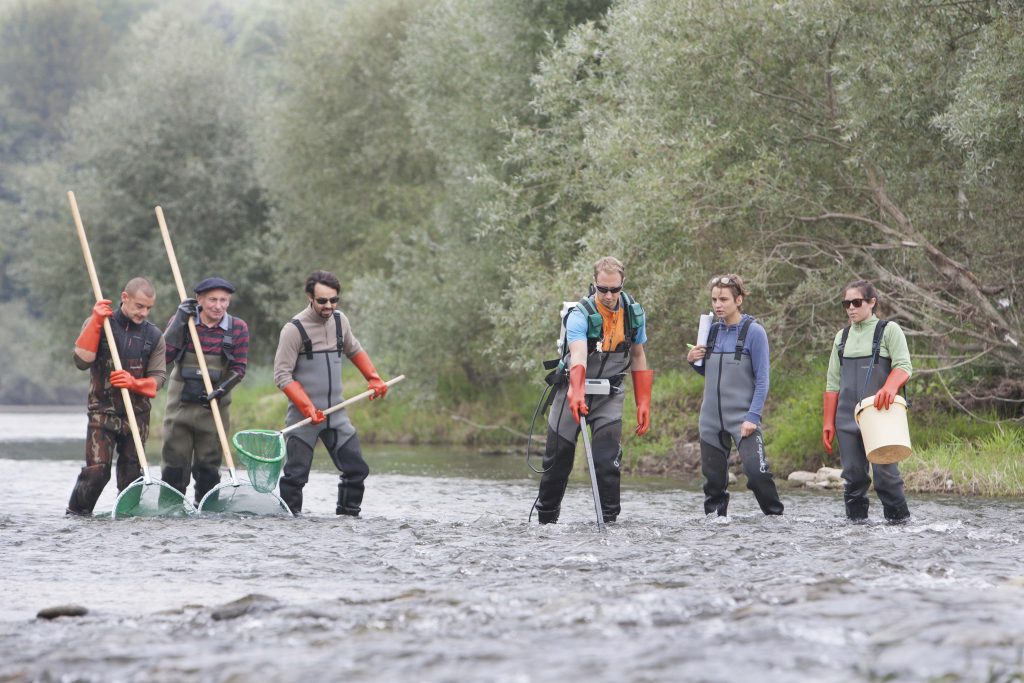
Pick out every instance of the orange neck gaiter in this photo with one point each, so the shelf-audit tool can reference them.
(613, 331)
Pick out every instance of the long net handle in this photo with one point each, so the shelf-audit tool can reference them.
(111, 342)
(215, 408)
(338, 406)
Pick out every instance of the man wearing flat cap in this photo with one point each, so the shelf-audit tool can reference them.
(191, 445)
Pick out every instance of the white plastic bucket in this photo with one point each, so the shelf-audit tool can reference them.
(886, 433)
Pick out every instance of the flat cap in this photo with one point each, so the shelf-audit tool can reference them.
(214, 283)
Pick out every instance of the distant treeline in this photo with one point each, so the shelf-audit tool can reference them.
(461, 163)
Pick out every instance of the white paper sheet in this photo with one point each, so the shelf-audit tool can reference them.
(703, 328)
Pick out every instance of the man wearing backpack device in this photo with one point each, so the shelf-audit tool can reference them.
(604, 338)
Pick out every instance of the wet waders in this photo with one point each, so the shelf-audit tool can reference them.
(728, 391)
(319, 372)
(605, 420)
(858, 381)
(109, 430)
(192, 447)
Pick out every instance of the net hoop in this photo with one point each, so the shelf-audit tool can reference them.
(169, 502)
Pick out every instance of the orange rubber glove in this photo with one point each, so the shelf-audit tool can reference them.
(144, 386)
(642, 382)
(373, 381)
(828, 425)
(577, 391)
(885, 396)
(89, 339)
(296, 393)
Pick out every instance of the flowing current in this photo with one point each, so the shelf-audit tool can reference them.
(443, 579)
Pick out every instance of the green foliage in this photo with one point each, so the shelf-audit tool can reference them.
(793, 418)
(990, 465)
(168, 128)
(49, 51)
(344, 168)
(461, 164)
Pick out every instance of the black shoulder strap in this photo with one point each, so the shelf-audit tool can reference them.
(712, 337)
(841, 349)
(153, 334)
(307, 344)
(227, 343)
(876, 341)
(741, 338)
(337, 332)
(876, 346)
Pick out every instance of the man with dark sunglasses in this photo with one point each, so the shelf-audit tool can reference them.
(605, 337)
(307, 368)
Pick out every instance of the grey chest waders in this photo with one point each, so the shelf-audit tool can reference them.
(728, 389)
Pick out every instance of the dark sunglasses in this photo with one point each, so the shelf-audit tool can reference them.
(855, 303)
(608, 290)
(324, 301)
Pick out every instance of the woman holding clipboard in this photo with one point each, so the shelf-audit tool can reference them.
(735, 369)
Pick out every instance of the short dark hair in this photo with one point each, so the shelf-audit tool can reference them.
(322, 277)
(866, 289)
(139, 285)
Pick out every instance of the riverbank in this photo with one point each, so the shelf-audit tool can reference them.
(978, 457)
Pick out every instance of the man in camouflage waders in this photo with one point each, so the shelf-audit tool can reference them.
(307, 368)
(191, 444)
(141, 349)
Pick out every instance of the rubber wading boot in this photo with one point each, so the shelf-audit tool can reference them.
(205, 482)
(347, 503)
(548, 516)
(856, 509)
(176, 477)
(896, 514)
(87, 489)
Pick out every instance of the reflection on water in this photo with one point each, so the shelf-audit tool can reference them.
(33, 424)
(443, 580)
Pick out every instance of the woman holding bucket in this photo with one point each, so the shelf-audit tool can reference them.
(869, 357)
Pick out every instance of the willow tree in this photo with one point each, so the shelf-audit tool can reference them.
(169, 127)
(464, 76)
(801, 143)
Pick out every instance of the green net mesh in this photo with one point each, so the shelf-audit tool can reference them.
(155, 499)
(262, 453)
(242, 499)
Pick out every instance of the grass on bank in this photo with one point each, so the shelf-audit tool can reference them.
(952, 451)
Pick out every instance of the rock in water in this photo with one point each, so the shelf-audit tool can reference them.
(62, 611)
(250, 603)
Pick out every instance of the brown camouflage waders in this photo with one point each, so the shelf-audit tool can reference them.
(109, 429)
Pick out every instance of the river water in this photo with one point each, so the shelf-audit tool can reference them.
(443, 579)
